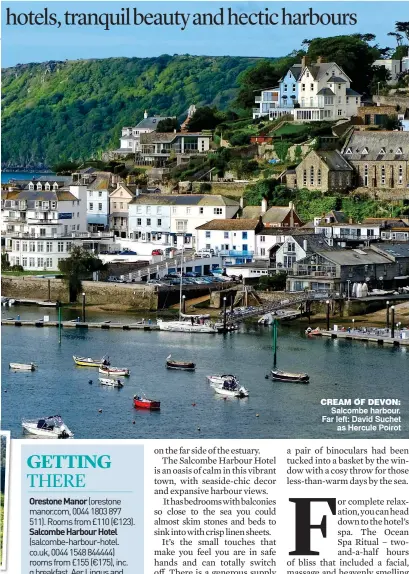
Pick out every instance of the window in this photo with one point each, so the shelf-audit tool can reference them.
(159, 223)
(139, 221)
(382, 151)
(201, 210)
(208, 246)
(304, 178)
(383, 175)
(263, 251)
(312, 87)
(121, 205)
(69, 245)
(139, 209)
(399, 151)
(91, 193)
(262, 238)
(99, 206)
(339, 99)
(148, 208)
(31, 262)
(49, 246)
(187, 210)
(244, 235)
(32, 246)
(218, 211)
(40, 262)
(24, 261)
(159, 209)
(17, 244)
(340, 112)
(303, 87)
(285, 87)
(207, 234)
(49, 262)
(174, 209)
(148, 222)
(319, 177)
(400, 174)
(226, 235)
(91, 206)
(294, 88)
(312, 175)
(24, 246)
(60, 247)
(349, 151)
(364, 151)
(99, 193)
(291, 247)
(40, 246)
(347, 100)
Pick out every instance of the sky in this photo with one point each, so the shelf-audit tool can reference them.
(38, 43)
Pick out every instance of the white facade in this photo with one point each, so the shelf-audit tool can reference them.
(131, 136)
(393, 67)
(290, 252)
(40, 230)
(150, 224)
(186, 218)
(349, 232)
(265, 242)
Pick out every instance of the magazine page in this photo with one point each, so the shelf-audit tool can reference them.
(205, 287)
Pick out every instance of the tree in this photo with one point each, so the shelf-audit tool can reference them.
(264, 188)
(263, 75)
(205, 118)
(65, 167)
(351, 53)
(5, 263)
(381, 76)
(403, 27)
(168, 125)
(78, 267)
(397, 36)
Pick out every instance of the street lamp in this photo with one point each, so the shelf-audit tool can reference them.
(83, 307)
(353, 325)
(328, 304)
(184, 303)
(393, 321)
(349, 285)
(387, 314)
(224, 314)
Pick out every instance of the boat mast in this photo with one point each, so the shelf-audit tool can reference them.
(181, 279)
(274, 343)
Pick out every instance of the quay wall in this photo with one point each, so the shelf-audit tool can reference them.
(143, 297)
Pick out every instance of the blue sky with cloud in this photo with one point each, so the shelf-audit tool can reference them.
(23, 44)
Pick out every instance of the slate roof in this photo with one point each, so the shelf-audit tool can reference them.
(396, 250)
(334, 160)
(354, 257)
(315, 241)
(351, 92)
(167, 137)
(286, 231)
(275, 214)
(152, 122)
(325, 92)
(60, 195)
(373, 142)
(386, 221)
(336, 80)
(190, 199)
(230, 224)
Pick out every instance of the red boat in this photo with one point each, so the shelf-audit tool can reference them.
(144, 403)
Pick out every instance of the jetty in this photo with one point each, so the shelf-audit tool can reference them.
(81, 325)
(373, 336)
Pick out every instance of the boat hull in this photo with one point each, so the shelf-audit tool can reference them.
(180, 366)
(290, 377)
(146, 404)
(184, 327)
(111, 383)
(240, 393)
(22, 367)
(30, 427)
(113, 372)
(87, 362)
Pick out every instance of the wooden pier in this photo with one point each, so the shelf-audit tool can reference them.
(80, 325)
(368, 337)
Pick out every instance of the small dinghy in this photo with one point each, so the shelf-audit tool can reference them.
(88, 362)
(180, 365)
(142, 402)
(227, 385)
(23, 366)
(311, 332)
(117, 383)
(113, 371)
(47, 427)
(285, 376)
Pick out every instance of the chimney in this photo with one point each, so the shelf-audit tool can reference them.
(145, 114)
(263, 206)
(320, 60)
(305, 245)
(241, 202)
(304, 61)
(137, 192)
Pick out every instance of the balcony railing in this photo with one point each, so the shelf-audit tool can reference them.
(234, 253)
(355, 237)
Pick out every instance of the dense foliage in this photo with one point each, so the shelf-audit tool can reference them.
(78, 267)
(58, 111)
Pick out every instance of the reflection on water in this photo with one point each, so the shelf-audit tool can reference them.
(337, 369)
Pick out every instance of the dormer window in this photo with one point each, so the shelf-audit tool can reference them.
(349, 151)
(382, 151)
(31, 185)
(47, 186)
(399, 151)
(364, 151)
(39, 187)
(55, 185)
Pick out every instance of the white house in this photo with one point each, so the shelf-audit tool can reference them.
(157, 147)
(296, 247)
(98, 185)
(234, 240)
(163, 219)
(130, 136)
(317, 91)
(393, 67)
(41, 225)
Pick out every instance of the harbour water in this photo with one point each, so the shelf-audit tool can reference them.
(7, 176)
(189, 407)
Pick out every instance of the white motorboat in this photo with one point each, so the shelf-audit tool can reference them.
(113, 371)
(185, 327)
(227, 385)
(47, 427)
(22, 366)
(111, 382)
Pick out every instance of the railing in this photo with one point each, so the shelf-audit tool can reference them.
(233, 253)
(355, 236)
(309, 273)
(96, 235)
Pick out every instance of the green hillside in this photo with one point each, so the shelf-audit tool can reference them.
(73, 109)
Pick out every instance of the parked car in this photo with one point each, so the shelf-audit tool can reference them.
(157, 252)
(192, 274)
(204, 253)
(127, 252)
(171, 276)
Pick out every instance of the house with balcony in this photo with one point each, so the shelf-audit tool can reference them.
(99, 185)
(335, 271)
(157, 148)
(168, 221)
(311, 91)
(41, 226)
(119, 199)
(234, 240)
